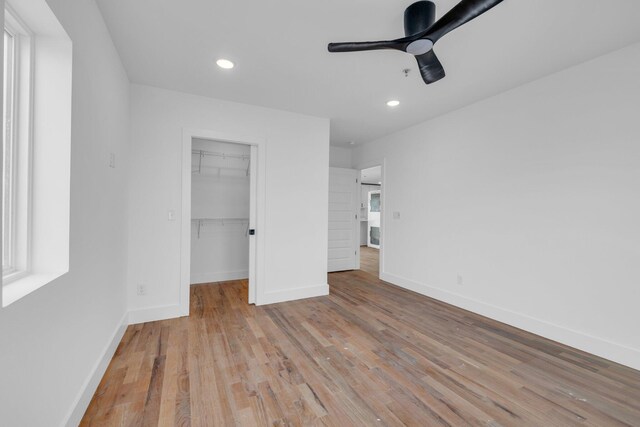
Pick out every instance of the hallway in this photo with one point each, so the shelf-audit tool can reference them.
(370, 260)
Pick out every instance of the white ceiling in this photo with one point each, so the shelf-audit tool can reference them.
(279, 47)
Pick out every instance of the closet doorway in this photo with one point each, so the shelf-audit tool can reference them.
(220, 223)
(370, 219)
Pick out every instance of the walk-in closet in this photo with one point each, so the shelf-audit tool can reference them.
(220, 208)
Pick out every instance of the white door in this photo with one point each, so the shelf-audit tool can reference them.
(344, 225)
(253, 197)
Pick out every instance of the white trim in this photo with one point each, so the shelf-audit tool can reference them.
(601, 347)
(90, 386)
(295, 294)
(152, 314)
(10, 109)
(219, 276)
(253, 195)
(257, 206)
(382, 162)
(22, 137)
(26, 283)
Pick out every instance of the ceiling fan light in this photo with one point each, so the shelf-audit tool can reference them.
(393, 103)
(420, 47)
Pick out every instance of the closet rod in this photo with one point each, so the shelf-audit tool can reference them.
(226, 219)
(223, 155)
(219, 169)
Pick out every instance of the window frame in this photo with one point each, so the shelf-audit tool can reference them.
(44, 134)
(8, 151)
(18, 130)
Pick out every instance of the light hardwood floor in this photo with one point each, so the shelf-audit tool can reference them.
(370, 354)
(370, 260)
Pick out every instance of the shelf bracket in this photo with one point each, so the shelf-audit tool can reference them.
(200, 162)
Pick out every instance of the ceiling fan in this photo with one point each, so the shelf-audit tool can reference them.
(422, 32)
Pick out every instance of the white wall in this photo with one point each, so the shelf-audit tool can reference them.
(339, 157)
(52, 339)
(533, 198)
(220, 250)
(297, 155)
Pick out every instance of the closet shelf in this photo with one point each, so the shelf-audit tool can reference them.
(200, 222)
(218, 172)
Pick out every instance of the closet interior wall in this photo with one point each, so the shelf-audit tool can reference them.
(220, 204)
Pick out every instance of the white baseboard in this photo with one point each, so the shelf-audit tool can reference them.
(154, 313)
(219, 276)
(293, 294)
(90, 386)
(600, 347)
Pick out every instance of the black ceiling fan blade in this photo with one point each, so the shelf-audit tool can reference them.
(399, 44)
(430, 67)
(459, 15)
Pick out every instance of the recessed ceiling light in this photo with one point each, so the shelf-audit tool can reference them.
(393, 103)
(225, 63)
(352, 143)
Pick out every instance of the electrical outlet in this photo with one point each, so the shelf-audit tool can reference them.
(171, 215)
(396, 215)
(460, 280)
(112, 160)
(142, 289)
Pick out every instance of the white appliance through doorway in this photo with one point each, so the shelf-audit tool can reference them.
(373, 219)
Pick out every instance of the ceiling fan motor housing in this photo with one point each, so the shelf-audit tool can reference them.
(418, 17)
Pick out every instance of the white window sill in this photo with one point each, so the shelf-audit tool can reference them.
(19, 288)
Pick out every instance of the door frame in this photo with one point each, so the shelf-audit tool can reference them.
(256, 216)
(382, 162)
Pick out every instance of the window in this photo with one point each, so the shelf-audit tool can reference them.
(7, 150)
(15, 166)
(36, 148)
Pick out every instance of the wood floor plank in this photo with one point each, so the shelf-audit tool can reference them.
(369, 354)
(370, 260)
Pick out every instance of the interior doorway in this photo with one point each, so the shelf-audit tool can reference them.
(220, 210)
(221, 213)
(371, 219)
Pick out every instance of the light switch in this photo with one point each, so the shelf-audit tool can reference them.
(112, 160)
(171, 216)
(396, 215)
